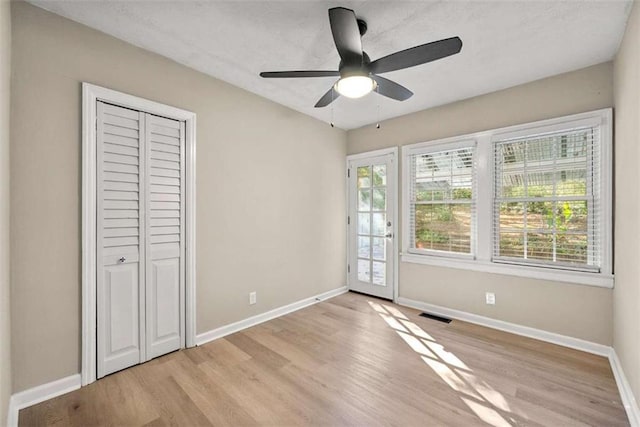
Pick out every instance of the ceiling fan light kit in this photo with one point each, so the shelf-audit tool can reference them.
(355, 86)
(358, 75)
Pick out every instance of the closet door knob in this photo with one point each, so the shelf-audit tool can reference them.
(122, 259)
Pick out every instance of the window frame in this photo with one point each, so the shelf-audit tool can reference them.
(455, 144)
(484, 192)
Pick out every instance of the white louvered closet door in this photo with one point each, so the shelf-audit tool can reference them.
(120, 276)
(140, 237)
(165, 231)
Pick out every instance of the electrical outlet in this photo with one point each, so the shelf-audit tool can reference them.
(252, 298)
(491, 298)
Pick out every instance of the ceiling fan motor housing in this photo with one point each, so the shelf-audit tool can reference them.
(362, 26)
(359, 69)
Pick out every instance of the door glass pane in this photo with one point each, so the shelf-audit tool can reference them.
(364, 223)
(364, 177)
(379, 248)
(379, 199)
(379, 226)
(364, 273)
(364, 247)
(379, 273)
(364, 200)
(379, 175)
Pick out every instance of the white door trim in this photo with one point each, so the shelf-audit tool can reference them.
(90, 95)
(394, 206)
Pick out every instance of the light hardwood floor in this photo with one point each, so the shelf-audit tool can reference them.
(352, 360)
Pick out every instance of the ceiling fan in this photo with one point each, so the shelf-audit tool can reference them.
(358, 75)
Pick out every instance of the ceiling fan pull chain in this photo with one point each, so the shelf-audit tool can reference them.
(332, 108)
(378, 108)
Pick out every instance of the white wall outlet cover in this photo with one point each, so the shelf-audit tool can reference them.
(252, 298)
(491, 298)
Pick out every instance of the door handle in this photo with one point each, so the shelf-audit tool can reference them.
(389, 235)
(122, 259)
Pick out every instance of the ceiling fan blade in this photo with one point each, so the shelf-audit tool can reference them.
(392, 89)
(417, 55)
(294, 74)
(327, 98)
(346, 35)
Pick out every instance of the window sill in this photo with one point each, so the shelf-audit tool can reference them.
(576, 277)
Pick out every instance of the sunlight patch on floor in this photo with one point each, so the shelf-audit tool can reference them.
(450, 377)
(416, 330)
(416, 345)
(448, 357)
(480, 397)
(489, 394)
(391, 321)
(488, 415)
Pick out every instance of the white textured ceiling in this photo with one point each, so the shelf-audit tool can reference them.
(506, 43)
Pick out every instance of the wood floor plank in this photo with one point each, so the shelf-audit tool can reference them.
(352, 360)
(210, 398)
(175, 406)
(258, 352)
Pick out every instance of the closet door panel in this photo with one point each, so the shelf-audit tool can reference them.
(165, 291)
(164, 235)
(121, 310)
(119, 238)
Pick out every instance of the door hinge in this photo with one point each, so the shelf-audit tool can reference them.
(348, 173)
(348, 220)
(348, 268)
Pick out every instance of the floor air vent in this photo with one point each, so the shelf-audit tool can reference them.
(434, 317)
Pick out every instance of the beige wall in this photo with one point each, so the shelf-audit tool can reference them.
(5, 328)
(270, 189)
(626, 301)
(574, 310)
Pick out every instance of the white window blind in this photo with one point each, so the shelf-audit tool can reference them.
(547, 200)
(442, 200)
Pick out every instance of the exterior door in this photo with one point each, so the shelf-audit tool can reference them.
(372, 200)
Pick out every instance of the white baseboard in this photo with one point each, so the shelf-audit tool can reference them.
(563, 340)
(626, 394)
(260, 318)
(38, 394)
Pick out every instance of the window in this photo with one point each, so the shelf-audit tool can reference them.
(442, 203)
(530, 200)
(546, 203)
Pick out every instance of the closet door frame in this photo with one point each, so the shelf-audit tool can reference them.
(91, 94)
